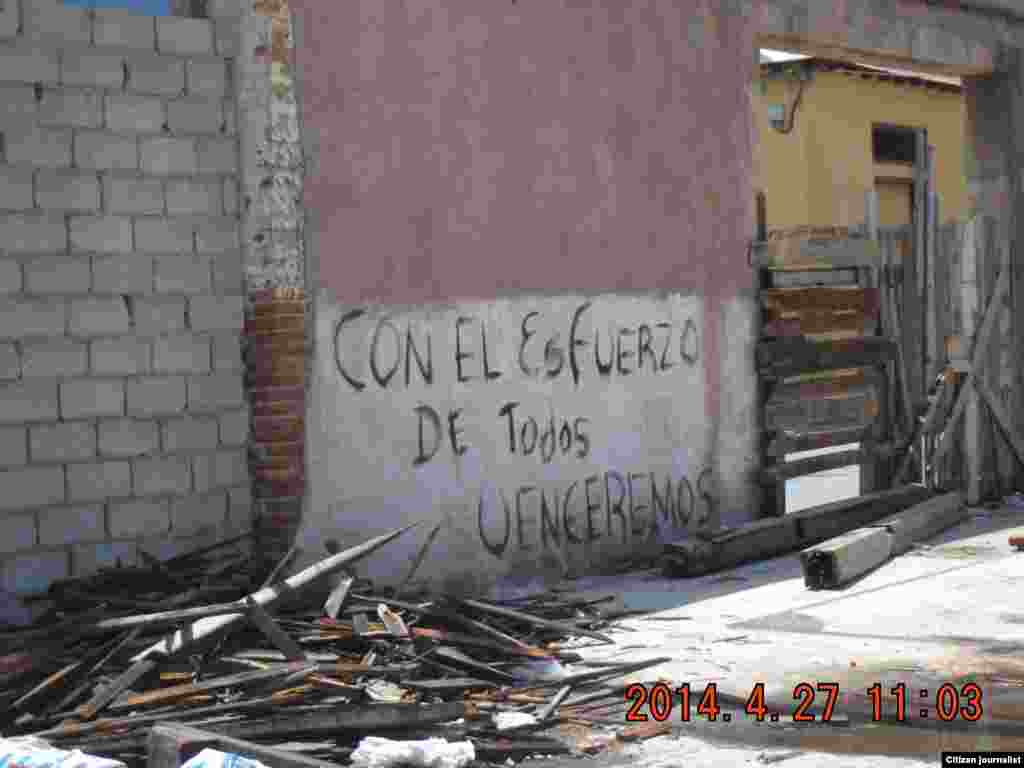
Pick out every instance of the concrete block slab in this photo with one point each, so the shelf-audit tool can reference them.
(101, 234)
(153, 396)
(151, 73)
(57, 275)
(10, 276)
(24, 62)
(234, 428)
(18, 105)
(219, 391)
(158, 314)
(164, 235)
(216, 313)
(99, 481)
(217, 155)
(139, 517)
(127, 273)
(195, 116)
(89, 558)
(67, 190)
(75, 107)
(184, 36)
(91, 398)
(72, 441)
(227, 352)
(34, 573)
(98, 316)
(187, 435)
(163, 156)
(193, 514)
(13, 446)
(105, 151)
(90, 68)
(217, 234)
(55, 22)
(53, 358)
(27, 317)
(16, 188)
(134, 113)
(120, 28)
(163, 475)
(10, 362)
(228, 275)
(133, 195)
(124, 356)
(34, 232)
(128, 438)
(64, 526)
(195, 196)
(10, 20)
(25, 402)
(181, 353)
(29, 487)
(207, 77)
(183, 273)
(17, 532)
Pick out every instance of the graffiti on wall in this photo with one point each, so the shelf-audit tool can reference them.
(379, 353)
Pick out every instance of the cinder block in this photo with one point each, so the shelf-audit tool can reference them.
(13, 446)
(184, 36)
(67, 190)
(228, 32)
(139, 517)
(105, 151)
(77, 107)
(163, 156)
(128, 273)
(34, 573)
(120, 28)
(234, 428)
(57, 274)
(193, 514)
(26, 62)
(230, 118)
(231, 467)
(126, 438)
(240, 504)
(53, 357)
(187, 435)
(99, 481)
(99, 316)
(194, 196)
(18, 104)
(161, 235)
(103, 234)
(15, 187)
(31, 487)
(183, 273)
(64, 526)
(123, 356)
(156, 396)
(39, 147)
(86, 559)
(28, 401)
(207, 77)
(132, 113)
(216, 235)
(53, 22)
(217, 392)
(17, 532)
(181, 353)
(231, 196)
(228, 275)
(216, 313)
(70, 441)
(161, 75)
(91, 398)
(158, 314)
(194, 115)
(34, 232)
(217, 155)
(163, 475)
(132, 194)
(10, 276)
(10, 362)
(91, 68)
(10, 20)
(227, 352)
(25, 317)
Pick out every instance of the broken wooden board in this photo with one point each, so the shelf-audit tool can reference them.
(759, 540)
(796, 442)
(815, 254)
(789, 357)
(863, 300)
(815, 278)
(844, 558)
(172, 744)
(827, 414)
(801, 467)
(923, 521)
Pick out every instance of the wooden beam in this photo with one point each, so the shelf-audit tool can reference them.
(844, 558)
(923, 521)
(863, 300)
(800, 467)
(1001, 417)
(172, 744)
(790, 357)
(809, 255)
(787, 443)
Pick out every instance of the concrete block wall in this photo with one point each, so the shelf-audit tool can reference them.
(123, 417)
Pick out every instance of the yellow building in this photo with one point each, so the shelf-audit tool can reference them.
(829, 131)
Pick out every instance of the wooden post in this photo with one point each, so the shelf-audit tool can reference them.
(972, 417)
(932, 349)
(773, 497)
(874, 474)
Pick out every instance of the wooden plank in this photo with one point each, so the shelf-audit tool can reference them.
(813, 323)
(827, 520)
(842, 559)
(171, 744)
(811, 441)
(924, 521)
(800, 467)
(842, 384)
(811, 255)
(810, 279)
(788, 357)
(823, 414)
(977, 354)
(280, 639)
(1001, 417)
(863, 300)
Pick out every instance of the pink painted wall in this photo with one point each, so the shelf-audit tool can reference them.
(472, 149)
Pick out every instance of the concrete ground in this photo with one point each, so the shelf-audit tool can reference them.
(950, 611)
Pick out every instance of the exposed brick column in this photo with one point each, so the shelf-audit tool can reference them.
(275, 359)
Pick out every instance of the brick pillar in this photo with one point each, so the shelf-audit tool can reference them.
(275, 361)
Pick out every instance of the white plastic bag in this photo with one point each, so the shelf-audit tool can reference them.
(214, 758)
(376, 752)
(27, 752)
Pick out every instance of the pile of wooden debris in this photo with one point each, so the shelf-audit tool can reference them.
(151, 664)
